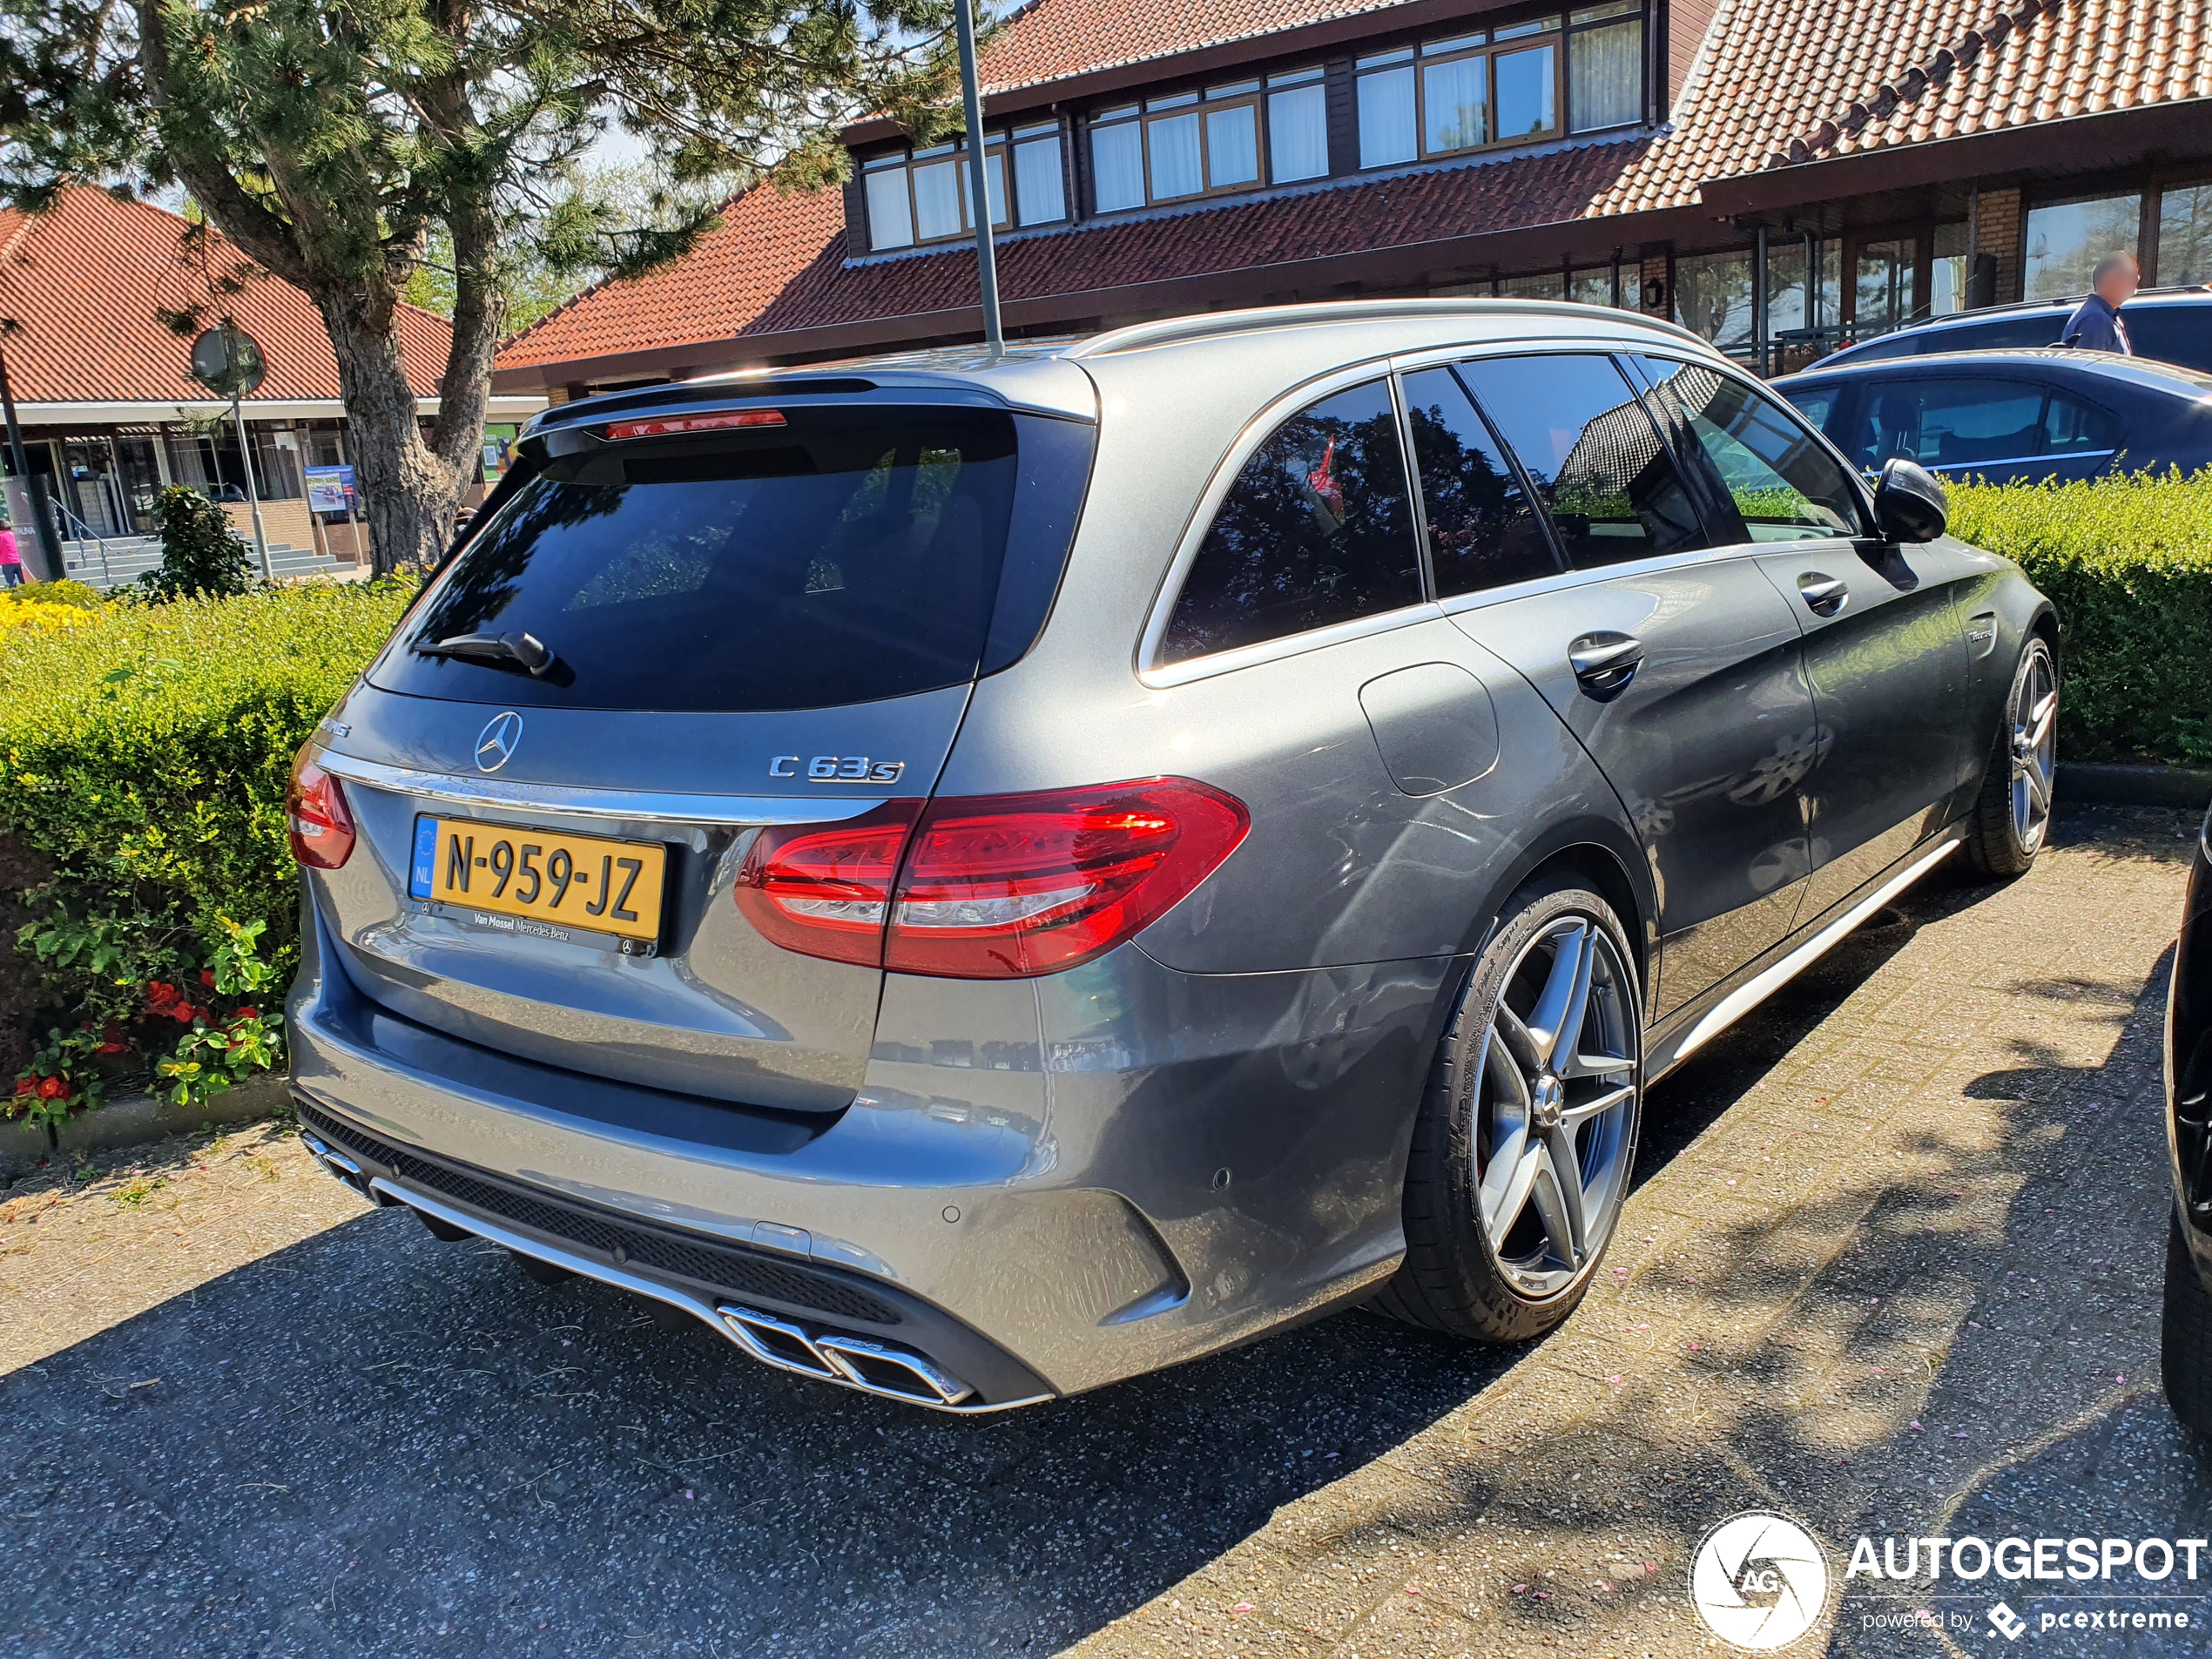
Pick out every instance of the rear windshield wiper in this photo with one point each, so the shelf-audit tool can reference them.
(525, 652)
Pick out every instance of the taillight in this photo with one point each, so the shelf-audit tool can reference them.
(315, 811)
(826, 892)
(999, 887)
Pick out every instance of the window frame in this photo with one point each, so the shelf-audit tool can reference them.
(998, 146)
(1555, 30)
(1638, 14)
(1252, 91)
(1720, 517)
(1147, 663)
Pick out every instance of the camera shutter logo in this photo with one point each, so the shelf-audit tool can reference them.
(496, 743)
(1759, 1581)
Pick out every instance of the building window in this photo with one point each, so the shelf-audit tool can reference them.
(1298, 126)
(922, 196)
(1510, 85)
(1188, 144)
(2066, 239)
(1605, 65)
(2185, 235)
(1713, 298)
(1947, 270)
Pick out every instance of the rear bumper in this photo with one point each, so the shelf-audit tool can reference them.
(1102, 1173)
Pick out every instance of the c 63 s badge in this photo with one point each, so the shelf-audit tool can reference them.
(838, 769)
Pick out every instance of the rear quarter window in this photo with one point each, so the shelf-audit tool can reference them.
(2177, 334)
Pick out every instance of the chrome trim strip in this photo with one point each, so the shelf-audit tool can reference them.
(1747, 995)
(647, 806)
(2016, 461)
(386, 1190)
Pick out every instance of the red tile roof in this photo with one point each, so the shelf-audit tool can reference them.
(2041, 61)
(1769, 71)
(1048, 40)
(84, 280)
(715, 292)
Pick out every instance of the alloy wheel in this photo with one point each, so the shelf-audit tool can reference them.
(2034, 715)
(1555, 1111)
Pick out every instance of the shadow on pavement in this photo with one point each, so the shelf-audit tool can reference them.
(376, 1442)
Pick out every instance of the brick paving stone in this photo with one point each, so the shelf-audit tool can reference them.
(1928, 1304)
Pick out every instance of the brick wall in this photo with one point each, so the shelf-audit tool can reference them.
(1660, 267)
(1997, 231)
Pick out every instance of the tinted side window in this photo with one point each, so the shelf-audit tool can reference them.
(1947, 423)
(2172, 334)
(1593, 454)
(1482, 527)
(1816, 406)
(1318, 528)
(1758, 461)
(2072, 427)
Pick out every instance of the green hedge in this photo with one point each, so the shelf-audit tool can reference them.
(2128, 564)
(145, 757)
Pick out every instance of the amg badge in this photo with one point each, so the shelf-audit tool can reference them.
(838, 769)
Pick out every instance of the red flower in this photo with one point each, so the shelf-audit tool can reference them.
(207, 977)
(26, 1085)
(243, 1015)
(181, 1011)
(51, 1087)
(112, 1046)
(161, 997)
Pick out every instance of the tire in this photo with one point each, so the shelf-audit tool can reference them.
(1494, 1253)
(2012, 816)
(2185, 1337)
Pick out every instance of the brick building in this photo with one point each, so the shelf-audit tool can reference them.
(1779, 174)
(110, 413)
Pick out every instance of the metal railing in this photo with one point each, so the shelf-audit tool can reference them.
(86, 533)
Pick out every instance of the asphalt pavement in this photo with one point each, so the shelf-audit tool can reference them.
(1892, 1267)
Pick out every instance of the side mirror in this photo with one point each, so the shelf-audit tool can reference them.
(1909, 502)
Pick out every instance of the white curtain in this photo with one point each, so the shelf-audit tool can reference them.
(1037, 187)
(1605, 77)
(1233, 147)
(1175, 157)
(891, 220)
(1298, 133)
(1117, 161)
(1387, 117)
(1455, 104)
(937, 194)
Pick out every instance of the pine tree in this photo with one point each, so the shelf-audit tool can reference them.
(330, 141)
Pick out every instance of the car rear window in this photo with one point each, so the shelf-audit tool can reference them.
(844, 556)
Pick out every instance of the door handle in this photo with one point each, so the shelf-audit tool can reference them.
(1604, 664)
(1823, 595)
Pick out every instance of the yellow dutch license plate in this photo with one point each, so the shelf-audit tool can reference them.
(582, 881)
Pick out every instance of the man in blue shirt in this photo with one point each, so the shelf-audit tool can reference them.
(2095, 324)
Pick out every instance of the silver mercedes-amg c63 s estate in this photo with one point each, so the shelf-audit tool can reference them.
(978, 876)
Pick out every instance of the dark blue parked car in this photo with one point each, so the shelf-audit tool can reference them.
(2173, 326)
(2051, 413)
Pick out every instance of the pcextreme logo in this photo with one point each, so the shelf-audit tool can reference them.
(1759, 1581)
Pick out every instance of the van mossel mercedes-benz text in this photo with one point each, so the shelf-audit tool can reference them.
(982, 876)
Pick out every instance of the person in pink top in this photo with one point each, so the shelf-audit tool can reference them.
(10, 556)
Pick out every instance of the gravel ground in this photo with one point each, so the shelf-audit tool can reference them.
(1892, 1267)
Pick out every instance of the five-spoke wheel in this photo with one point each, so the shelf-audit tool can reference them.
(2012, 816)
(1522, 1152)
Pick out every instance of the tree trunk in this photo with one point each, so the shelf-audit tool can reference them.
(408, 494)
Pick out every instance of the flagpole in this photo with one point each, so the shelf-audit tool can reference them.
(987, 272)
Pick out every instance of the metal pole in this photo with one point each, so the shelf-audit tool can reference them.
(50, 541)
(1759, 320)
(987, 271)
(252, 495)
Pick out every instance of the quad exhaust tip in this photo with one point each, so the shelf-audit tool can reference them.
(850, 1362)
(871, 1367)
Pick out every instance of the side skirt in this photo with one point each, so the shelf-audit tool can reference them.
(1690, 1029)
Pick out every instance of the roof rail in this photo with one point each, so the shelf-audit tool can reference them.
(1211, 324)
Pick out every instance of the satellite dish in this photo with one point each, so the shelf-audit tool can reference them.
(228, 360)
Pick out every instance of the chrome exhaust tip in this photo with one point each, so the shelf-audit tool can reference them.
(871, 1367)
(340, 1166)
